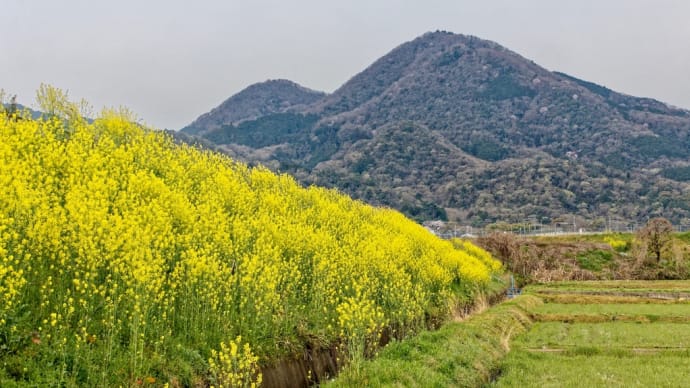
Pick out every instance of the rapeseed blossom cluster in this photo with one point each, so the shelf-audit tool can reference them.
(617, 244)
(234, 365)
(120, 249)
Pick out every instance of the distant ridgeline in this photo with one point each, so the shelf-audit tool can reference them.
(455, 127)
(10, 108)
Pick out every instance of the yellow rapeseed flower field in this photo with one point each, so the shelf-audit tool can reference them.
(127, 258)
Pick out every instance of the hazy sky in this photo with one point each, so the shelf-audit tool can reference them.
(171, 60)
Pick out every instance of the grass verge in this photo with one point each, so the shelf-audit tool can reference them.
(460, 354)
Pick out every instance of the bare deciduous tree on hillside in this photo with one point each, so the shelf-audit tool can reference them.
(656, 235)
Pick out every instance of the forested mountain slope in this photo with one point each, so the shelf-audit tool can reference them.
(455, 126)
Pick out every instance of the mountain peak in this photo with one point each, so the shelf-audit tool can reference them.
(505, 138)
(256, 100)
(277, 85)
(447, 37)
(429, 64)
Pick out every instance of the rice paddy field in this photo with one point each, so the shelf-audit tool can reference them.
(603, 334)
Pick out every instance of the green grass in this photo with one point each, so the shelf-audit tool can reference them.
(595, 259)
(524, 369)
(460, 354)
(590, 238)
(571, 351)
(606, 334)
(685, 237)
(617, 353)
(673, 310)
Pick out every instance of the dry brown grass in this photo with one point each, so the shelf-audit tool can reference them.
(481, 304)
(556, 259)
(535, 260)
(605, 299)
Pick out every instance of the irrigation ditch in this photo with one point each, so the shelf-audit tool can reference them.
(316, 365)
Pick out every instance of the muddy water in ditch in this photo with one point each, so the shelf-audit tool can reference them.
(312, 367)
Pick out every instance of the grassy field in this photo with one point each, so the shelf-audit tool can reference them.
(557, 335)
(460, 354)
(638, 342)
(596, 340)
(565, 370)
(613, 310)
(608, 286)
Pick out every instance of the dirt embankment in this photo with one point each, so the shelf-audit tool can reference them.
(557, 259)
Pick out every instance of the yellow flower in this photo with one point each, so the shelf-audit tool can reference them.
(135, 244)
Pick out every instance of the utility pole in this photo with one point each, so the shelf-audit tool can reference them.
(574, 226)
(608, 224)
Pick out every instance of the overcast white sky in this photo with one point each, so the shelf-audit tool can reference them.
(172, 60)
